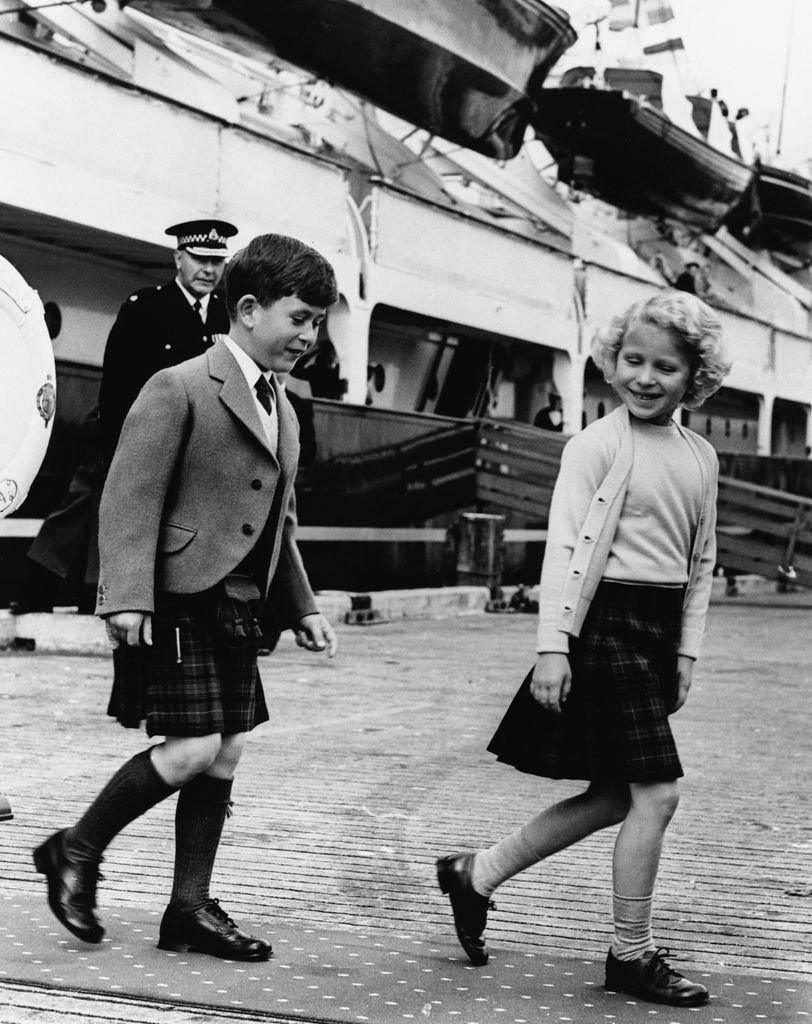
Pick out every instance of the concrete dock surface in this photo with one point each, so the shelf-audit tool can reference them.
(372, 766)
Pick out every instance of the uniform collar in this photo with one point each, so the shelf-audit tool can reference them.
(192, 299)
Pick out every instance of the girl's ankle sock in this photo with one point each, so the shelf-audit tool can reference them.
(502, 861)
(632, 919)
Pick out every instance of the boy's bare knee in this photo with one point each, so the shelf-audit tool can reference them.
(180, 759)
(228, 756)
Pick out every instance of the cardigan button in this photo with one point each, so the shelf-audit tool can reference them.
(256, 484)
(247, 529)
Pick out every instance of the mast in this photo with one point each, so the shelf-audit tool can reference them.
(787, 58)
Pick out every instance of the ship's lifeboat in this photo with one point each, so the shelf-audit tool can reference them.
(461, 69)
(629, 154)
(779, 217)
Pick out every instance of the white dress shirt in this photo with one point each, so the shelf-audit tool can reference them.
(252, 373)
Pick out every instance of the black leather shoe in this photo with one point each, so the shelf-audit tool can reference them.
(71, 887)
(209, 930)
(469, 908)
(650, 977)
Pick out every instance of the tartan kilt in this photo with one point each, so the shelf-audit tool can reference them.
(614, 724)
(213, 689)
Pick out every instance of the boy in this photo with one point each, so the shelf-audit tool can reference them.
(197, 525)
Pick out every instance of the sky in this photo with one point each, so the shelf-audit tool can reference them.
(742, 48)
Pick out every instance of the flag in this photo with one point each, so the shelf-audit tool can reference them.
(622, 15)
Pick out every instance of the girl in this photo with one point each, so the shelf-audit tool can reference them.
(624, 591)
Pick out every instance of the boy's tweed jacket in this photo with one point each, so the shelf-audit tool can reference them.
(191, 486)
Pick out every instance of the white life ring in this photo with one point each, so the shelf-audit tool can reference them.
(27, 387)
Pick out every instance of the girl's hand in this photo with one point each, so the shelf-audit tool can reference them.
(685, 668)
(551, 681)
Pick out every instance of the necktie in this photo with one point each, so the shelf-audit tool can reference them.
(198, 308)
(264, 393)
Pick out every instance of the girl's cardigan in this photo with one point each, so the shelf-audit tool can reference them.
(584, 513)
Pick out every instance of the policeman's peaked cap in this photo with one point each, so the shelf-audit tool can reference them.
(203, 237)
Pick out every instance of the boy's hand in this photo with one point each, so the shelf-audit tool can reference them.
(551, 681)
(685, 669)
(315, 633)
(130, 628)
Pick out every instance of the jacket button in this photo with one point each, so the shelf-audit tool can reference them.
(247, 529)
(256, 484)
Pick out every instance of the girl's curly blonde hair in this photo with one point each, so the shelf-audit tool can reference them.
(687, 317)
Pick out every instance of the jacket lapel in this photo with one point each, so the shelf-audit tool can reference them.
(235, 393)
(287, 443)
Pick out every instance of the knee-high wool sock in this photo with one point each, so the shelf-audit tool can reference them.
(632, 917)
(203, 805)
(134, 788)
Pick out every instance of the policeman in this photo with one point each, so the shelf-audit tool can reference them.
(164, 325)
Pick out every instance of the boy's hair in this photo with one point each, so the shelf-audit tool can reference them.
(273, 266)
(691, 320)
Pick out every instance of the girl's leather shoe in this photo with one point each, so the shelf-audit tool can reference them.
(469, 908)
(650, 977)
(209, 930)
(71, 887)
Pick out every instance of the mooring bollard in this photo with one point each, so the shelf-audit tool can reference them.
(5, 809)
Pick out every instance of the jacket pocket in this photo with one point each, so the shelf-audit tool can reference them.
(175, 538)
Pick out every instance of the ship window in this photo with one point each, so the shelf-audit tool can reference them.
(708, 426)
(601, 410)
(686, 418)
(727, 428)
(745, 429)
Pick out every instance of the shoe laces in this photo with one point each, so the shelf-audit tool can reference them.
(217, 910)
(659, 966)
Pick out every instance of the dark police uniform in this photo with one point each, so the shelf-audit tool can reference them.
(155, 328)
(158, 327)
